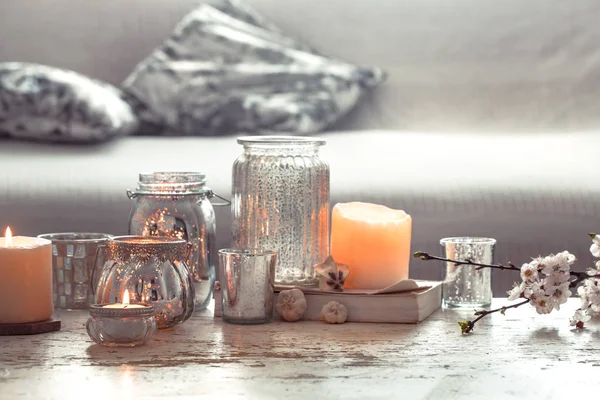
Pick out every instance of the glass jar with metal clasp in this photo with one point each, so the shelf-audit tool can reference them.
(177, 204)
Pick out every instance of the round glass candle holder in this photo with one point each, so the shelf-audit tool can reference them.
(121, 327)
(153, 270)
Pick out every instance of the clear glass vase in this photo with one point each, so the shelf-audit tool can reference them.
(280, 201)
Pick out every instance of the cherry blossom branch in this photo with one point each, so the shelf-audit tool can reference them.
(579, 276)
(426, 256)
(467, 326)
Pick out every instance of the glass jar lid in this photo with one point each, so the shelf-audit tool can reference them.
(172, 183)
(280, 141)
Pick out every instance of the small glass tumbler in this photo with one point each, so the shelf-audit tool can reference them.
(73, 262)
(464, 286)
(247, 285)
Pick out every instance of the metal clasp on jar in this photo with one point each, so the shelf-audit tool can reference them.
(206, 194)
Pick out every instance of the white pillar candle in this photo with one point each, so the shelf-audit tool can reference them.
(25, 279)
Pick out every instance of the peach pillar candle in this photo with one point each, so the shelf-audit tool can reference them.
(373, 241)
(25, 279)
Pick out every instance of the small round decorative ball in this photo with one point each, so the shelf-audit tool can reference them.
(291, 305)
(334, 313)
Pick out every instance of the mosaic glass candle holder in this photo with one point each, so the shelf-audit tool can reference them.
(73, 262)
(121, 327)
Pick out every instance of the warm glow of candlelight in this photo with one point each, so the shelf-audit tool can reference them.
(126, 298)
(8, 237)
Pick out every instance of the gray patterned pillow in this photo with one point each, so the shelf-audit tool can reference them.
(45, 103)
(225, 69)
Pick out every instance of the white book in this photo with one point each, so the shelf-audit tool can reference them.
(407, 302)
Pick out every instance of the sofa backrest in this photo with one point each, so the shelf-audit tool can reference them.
(508, 65)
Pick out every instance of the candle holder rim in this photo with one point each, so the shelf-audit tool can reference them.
(58, 237)
(100, 310)
(249, 252)
(281, 140)
(148, 241)
(467, 240)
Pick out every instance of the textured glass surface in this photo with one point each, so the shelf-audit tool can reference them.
(464, 286)
(154, 272)
(121, 327)
(188, 215)
(280, 202)
(247, 285)
(73, 264)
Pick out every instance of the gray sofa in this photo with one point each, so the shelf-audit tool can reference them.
(486, 126)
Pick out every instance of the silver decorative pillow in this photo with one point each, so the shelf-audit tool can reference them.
(45, 103)
(225, 69)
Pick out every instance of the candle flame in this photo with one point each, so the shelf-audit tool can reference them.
(8, 237)
(126, 298)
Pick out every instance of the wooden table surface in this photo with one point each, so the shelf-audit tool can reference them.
(520, 355)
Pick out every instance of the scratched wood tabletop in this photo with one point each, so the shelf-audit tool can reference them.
(520, 355)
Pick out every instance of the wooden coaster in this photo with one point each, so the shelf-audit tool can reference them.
(32, 328)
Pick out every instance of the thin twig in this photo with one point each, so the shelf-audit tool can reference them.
(580, 277)
(426, 256)
(469, 325)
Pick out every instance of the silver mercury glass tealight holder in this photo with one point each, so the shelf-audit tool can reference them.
(247, 286)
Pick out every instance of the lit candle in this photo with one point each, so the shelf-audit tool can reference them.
(25, 279)
(373, 241)
(125, 303)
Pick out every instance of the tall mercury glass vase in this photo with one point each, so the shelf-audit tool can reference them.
(280, 202)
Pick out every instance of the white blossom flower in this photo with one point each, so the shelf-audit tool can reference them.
(589, 292)
(516, 291)
(592, 271)
(560, 294)
(536, 263)
(571, 259)
(595, 248)
(555, 279)
(529, 273)
(560, 262)
(579, 318)
(543, 304)
(534, 290)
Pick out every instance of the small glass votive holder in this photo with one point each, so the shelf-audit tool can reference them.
(74, 258)
(465, 286)
(247, 279)
(121, 327)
